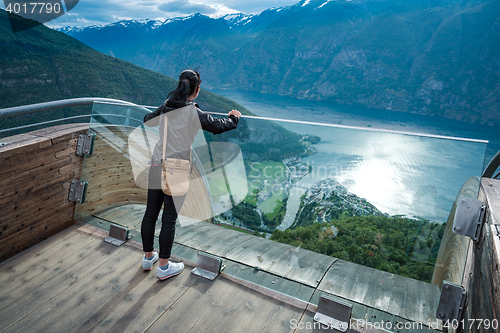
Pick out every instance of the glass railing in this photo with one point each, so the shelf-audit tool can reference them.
(34, 121)
(374, 198)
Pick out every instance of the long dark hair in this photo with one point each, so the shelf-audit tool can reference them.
(189, 80)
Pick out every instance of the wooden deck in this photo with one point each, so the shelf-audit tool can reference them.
(296, 273)
(75, 282)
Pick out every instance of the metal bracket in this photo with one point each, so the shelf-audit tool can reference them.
(451, 302)
(117, 235)
(77, 191)
(85, 145)
(208, 266)
(469, 218)
(334, 314)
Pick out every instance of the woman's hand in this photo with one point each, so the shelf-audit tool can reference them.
(235, 113)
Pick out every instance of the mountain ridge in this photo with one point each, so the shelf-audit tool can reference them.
(41, 64)
(435, 58)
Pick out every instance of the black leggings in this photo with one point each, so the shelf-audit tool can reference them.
(172, 205)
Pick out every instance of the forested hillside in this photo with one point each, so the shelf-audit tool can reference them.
(41, 64)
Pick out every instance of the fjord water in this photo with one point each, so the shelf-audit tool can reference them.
(400, 174)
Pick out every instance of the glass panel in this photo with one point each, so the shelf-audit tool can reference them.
(34, 121)
(374, 198)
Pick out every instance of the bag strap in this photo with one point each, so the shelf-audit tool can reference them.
(165, 141)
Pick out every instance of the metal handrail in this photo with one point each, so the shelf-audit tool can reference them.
(43, 123)
(489, 171)
(46, 106)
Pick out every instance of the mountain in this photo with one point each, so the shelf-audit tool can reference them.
(434, 57)
(41, 64)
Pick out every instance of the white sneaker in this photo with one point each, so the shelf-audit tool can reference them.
(174, 268)
(147, 264)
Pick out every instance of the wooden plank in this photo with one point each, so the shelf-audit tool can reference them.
(401, 296)
(379, 295)
(45, 213)
(300, 265)
(281, 289)
(375, 318)
(450, 262)
(213, 239)
(248, 312)
(482, 273)
(28, 237)
(97, 292)
(32, 207)
(25, 185)
(184, 252)
(32, 169)
(70, 150)
(24, 161)
(22, 144)
(425, 307)
(183, 314)
(183, 234)
(249, 250)
(221, 243)
(347, 280)
(222, 306)
(62, 132)
(491, 189)
(199, 235)
(71, 172)
(268, 258)
(22, 262)
(126, 215)
(41, 274)
(287, 287)
(141, 306)
(304, 266)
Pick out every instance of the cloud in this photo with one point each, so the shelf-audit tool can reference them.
(90, 12)
(186, 7)
(254, 6)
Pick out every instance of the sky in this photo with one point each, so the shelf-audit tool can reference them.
(91, 12)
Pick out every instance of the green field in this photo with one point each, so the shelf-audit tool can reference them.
(265, 177)
(270, 207)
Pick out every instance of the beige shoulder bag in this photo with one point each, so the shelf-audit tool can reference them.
(175, 172)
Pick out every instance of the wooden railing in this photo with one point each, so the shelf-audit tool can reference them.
(35, 173)
(37, 169)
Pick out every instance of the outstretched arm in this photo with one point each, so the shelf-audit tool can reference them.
(218, 126)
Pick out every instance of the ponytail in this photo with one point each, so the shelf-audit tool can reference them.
(189, 80)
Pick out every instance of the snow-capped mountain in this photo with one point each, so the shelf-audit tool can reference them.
(374, 53)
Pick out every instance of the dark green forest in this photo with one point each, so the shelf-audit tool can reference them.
(397, 245)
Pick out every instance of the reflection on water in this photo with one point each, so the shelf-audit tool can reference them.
(399, 174)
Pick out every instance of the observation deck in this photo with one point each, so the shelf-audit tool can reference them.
(58, 274)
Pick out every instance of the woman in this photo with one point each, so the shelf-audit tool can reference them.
(183, 123)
